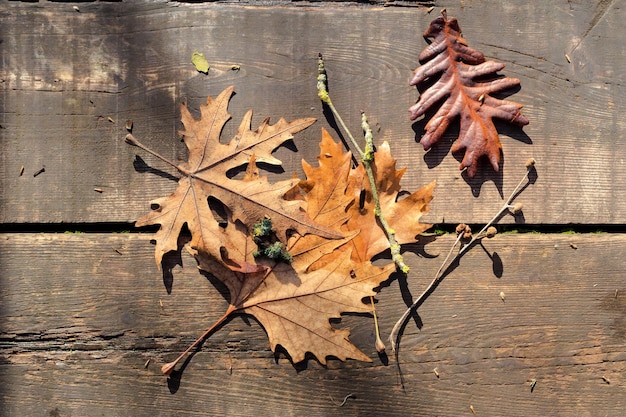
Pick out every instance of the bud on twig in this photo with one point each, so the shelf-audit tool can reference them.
(517, 208)
(465, 230)
(491, 232)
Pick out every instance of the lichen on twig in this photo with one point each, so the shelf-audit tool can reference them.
(367, 158)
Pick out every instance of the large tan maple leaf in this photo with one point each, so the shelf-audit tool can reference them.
(296, 301)
(204, 175)
(460, 76)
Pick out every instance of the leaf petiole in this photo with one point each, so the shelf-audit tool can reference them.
(131, 140)
(169, 367)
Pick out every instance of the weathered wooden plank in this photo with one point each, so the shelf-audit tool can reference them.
(81, 314)
(65, 73)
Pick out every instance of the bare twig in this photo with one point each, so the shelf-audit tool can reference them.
(322, 93)
(484, 232)
(345, 399)
(367, 157)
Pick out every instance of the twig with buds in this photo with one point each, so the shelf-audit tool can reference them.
(464, 234)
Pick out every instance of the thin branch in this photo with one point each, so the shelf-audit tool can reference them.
(367, 157)
(322, 93)
(484, 232)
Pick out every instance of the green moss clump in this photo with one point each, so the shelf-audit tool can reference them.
(268, 244)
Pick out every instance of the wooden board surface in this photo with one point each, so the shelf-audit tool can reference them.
(80, 320)
(65, 73)
(86, 320)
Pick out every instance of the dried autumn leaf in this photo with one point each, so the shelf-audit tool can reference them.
(351, 186)
(295, 302)
(460, 76)
(200, 62)
(402, 215)
(205, 175)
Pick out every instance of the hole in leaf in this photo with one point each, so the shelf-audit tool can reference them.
(219, 211)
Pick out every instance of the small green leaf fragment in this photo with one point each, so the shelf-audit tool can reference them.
(200, 62)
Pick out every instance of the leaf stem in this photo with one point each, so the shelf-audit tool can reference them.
(395, 332)
(367, 157)
(131, 140)
(169, 367)
(380, 345)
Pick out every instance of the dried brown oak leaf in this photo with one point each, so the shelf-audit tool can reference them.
(204, 175)
(460, 76)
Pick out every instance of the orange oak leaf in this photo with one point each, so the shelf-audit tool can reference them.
(460, 76)
(205, 175)
(351, 187)
(402, 215)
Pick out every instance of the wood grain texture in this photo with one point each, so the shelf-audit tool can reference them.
(86, 320)
(81, 314)
(64, 74)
